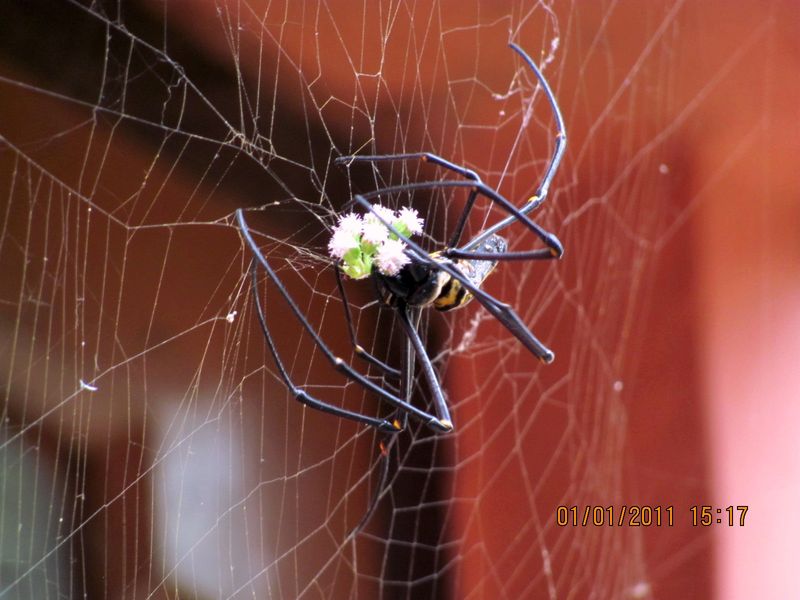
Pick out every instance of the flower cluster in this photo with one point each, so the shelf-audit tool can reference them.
(361, 242)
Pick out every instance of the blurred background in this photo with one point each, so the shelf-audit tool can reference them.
(148, 447)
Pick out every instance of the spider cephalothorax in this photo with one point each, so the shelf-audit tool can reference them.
(421, 284)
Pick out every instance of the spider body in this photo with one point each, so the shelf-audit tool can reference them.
(446, 280)
(421, 285)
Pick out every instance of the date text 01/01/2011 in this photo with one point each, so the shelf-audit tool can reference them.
(647, 516)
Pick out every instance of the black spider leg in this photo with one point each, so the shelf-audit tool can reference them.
(554, 248)
(359, 349)
(558, 153)
(408, 364)
(399, 418)
(533, 202)
(379, 488)
(337, 363)
(390, 441)
(299, 394)
(440, 404)
(499, 310)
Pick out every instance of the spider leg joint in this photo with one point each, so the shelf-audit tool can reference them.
(556, 248)
(444, 425)
(388, 428)
(533, 203)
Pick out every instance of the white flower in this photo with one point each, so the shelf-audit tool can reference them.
(342, 242)
(375, 232)
(346, 235)
(391, 258)
(350, 222)
(410, 219)
(387, 214)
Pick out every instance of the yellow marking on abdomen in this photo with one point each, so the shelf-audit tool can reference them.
(453, 295)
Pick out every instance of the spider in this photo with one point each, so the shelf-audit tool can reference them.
(446, 280)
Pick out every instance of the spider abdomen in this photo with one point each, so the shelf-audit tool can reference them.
(453, 294)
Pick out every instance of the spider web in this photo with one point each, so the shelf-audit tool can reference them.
(149, 447)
